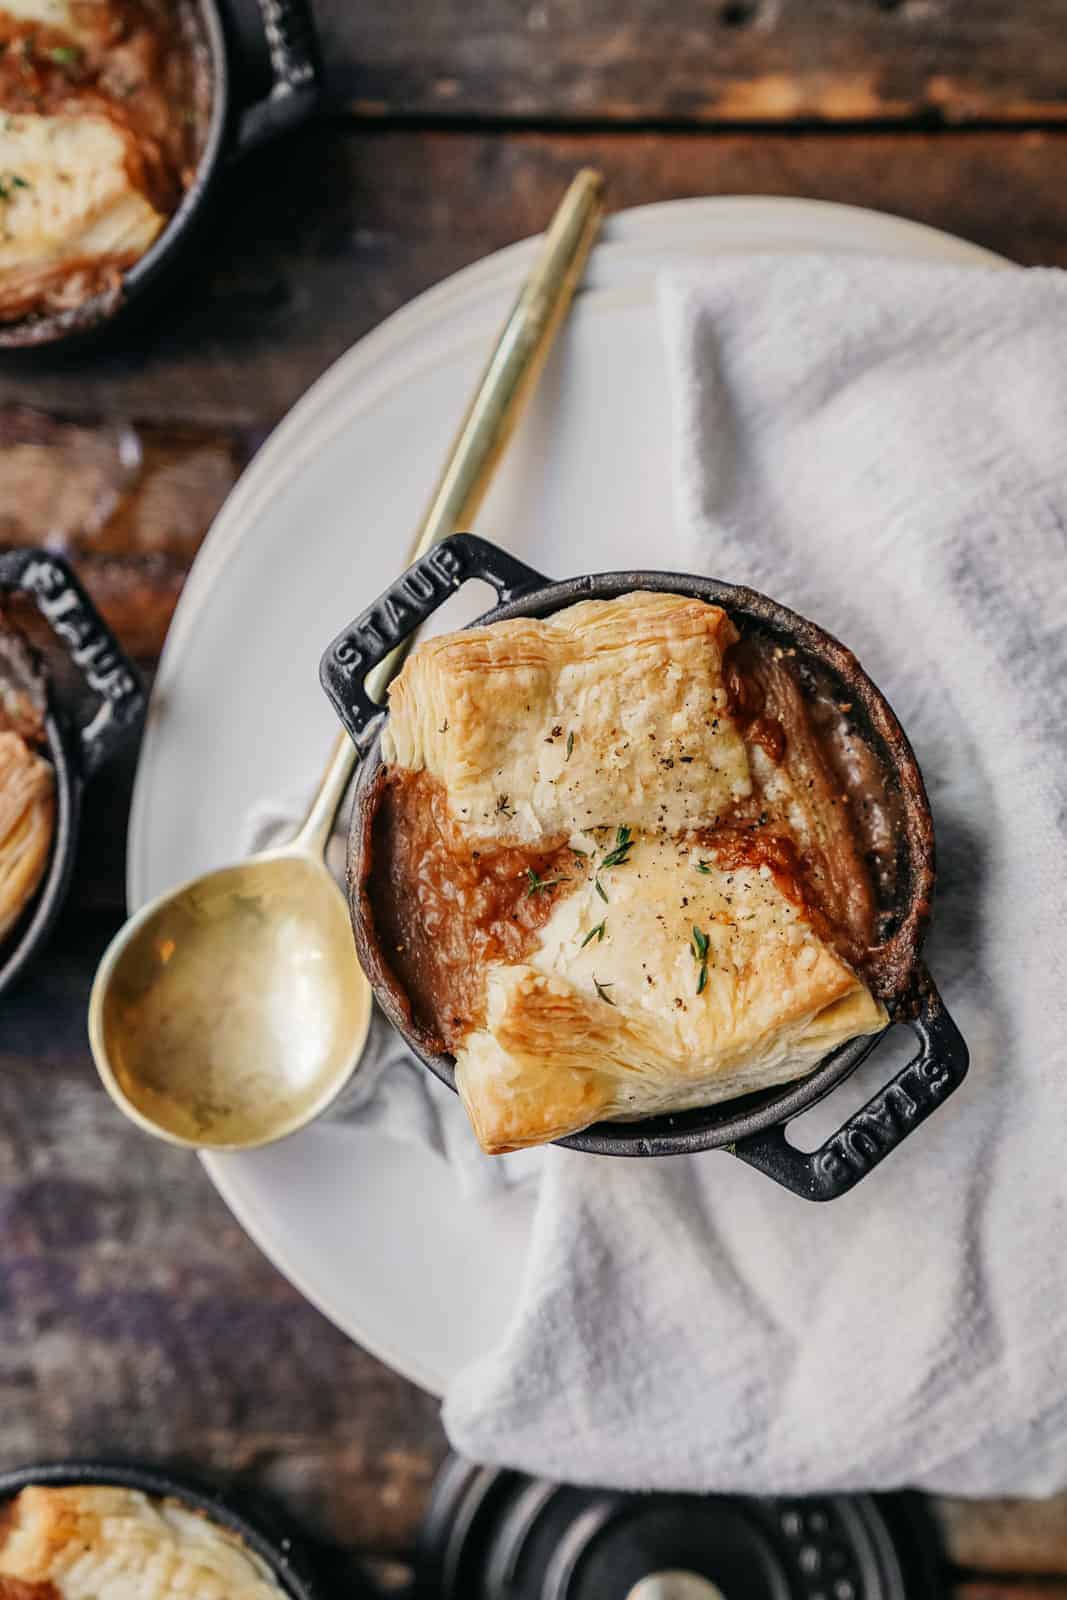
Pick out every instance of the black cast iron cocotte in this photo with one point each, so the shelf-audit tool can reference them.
(752, 1127)
(265, 77)
(76, 748)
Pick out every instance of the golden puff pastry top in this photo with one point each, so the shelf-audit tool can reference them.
(90, 1543)
(608, 711)
(694, 984)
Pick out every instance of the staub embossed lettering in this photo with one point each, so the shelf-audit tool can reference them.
(381, 628)
(66, 612)
(881, 1124)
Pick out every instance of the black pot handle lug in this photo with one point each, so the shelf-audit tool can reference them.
(401, 609)
(887, 1119)
(58, 595)
(284, 31)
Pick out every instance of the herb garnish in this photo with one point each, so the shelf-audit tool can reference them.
(623, 846)
(570, 745)
(599, 887)
(538, 885)
(65, 55)
(596, 933)
(600, 988)
(503, 808)
(699, 948)
(704, 867)
(10, 181)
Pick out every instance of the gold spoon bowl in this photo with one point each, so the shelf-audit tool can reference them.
(231, 1011)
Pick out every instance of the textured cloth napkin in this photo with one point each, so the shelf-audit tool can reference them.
(882, 446)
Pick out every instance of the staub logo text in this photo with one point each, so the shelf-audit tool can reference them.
(91, 650)
(381, 628)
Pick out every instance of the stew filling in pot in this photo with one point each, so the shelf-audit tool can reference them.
(103, 110)
(624, 861)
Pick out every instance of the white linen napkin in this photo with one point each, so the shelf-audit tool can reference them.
(882, 446)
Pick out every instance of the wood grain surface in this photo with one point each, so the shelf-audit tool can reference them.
(135, 1316)
(698, 61)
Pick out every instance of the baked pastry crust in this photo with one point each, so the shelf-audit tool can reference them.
(102, 1543)
(608, 711)
(614, 1027)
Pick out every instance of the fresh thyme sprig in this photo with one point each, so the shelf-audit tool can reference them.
(620, 854)
(538, 885)
(596, 933)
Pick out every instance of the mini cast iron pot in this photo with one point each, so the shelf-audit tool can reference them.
(75, 751)
(753, 1127)
(277, 1547)
(262, 63)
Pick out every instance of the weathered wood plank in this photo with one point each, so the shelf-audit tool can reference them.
(1010, 1536)
(699, 61)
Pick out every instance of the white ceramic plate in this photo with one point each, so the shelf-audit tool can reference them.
(374, 1231)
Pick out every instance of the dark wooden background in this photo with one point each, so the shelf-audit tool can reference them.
(135, 1317)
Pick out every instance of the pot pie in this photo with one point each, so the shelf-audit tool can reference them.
(622, 861)
(103, 107)
(27, 785)
(97, 1543)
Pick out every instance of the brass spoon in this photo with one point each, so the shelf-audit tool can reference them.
(230, 1012)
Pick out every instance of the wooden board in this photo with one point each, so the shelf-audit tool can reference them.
(698, 61)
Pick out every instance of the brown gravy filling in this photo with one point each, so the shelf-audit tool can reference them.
(140, 64)
(442, 910)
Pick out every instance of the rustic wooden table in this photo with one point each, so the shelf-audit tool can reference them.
(135, 1316)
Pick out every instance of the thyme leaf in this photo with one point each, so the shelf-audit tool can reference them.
(600, 988)
(620, 854)
(596, 933)
(538, 885)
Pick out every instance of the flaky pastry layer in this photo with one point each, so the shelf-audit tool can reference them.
(694, 984)
(608, 710)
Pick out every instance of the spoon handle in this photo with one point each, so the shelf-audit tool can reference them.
(505, 387)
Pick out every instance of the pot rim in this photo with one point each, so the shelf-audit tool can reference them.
(729, 1121)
